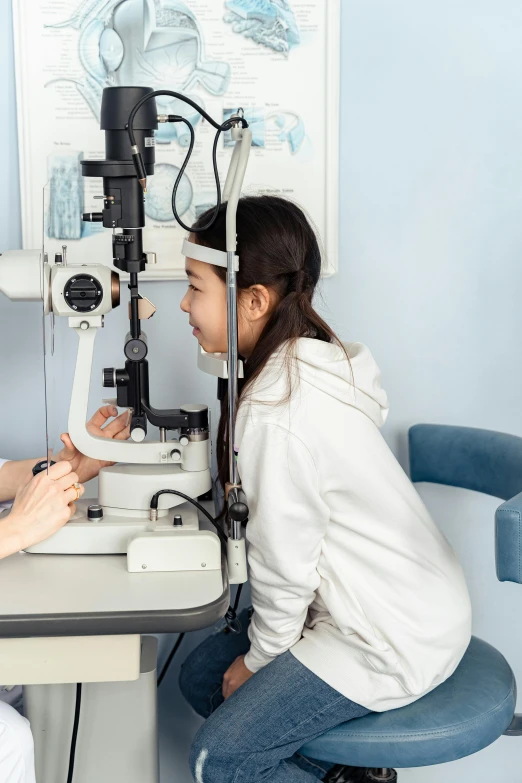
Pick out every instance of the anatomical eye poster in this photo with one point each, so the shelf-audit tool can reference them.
(276, 59)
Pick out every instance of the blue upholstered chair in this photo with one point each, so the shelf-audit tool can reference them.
(476, 704)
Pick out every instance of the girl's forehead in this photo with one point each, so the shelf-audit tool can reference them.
(197, 269)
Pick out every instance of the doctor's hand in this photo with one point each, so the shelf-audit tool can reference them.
(119, 429)
(235, 676)
(40, 508)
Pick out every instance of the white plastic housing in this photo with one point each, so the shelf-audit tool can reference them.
(112, 534)
(60, 275)
(175, 550)
(194, 456)
(132, 486)
(59, 659)
(23, 276)
(237, 561)
(216, 364)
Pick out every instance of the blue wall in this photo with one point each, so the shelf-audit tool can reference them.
(430, 275)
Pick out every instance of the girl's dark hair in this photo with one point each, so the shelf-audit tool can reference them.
(277, 248)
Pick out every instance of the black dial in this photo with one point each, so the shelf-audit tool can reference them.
(41, 466)
(83, 293)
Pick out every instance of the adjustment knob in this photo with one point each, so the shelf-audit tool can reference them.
(112, 377)
(83, 293)
(177, 521)
(109, 377)
(41, 466)
(135, 350)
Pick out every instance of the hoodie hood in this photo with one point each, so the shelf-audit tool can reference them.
(358, 383)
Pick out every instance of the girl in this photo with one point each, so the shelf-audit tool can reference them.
(359, 602)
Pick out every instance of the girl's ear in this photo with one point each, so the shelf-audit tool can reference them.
(256, 302)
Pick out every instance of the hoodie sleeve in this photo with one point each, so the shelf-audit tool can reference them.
(286, 526)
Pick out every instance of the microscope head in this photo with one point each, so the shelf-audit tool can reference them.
(66, 290)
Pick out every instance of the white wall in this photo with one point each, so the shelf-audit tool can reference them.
(430, 277)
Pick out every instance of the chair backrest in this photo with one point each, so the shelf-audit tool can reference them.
(484, 461)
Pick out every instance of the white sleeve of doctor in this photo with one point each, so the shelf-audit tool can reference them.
(16, 747)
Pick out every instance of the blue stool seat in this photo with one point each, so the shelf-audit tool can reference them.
(463, 715)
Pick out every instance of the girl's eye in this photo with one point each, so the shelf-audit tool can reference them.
(193, 288)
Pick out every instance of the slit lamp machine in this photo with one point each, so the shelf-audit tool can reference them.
(147, 507)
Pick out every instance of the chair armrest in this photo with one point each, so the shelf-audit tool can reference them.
(508, 540)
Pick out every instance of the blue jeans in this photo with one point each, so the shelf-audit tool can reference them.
(255, 734)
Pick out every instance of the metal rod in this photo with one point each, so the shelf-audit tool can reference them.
(232, 364)
(135, 375)
(233, 191)
(382, 774)
(232, 169)
(135, 319)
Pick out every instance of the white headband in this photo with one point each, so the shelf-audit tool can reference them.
(207, 254)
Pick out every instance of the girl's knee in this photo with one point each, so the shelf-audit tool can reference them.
(198, 759)
(208, 754)
(199, 755)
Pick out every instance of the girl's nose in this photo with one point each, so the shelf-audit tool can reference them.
(184, 304)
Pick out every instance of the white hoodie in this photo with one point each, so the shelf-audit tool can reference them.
(347, 569)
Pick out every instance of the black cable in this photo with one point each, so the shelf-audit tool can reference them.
(226, 126)
(172, 94)
(238, 596)
(182, 171)
(231, 615)
(169, 659)
(154, 505)
(178, 118)
(74, 737)
(233, 624)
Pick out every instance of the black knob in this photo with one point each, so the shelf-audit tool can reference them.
(58, 258)
(112, 377)
(83, 293)
(92, 217)
(177, 521)
(109, 377)
(95, 512)
(238, 512)
(41, 466)
(135, 350)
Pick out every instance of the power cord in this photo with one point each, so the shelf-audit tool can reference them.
(74, 736)
(138, 160)
(231, 615)
(154, 510)
(169, 659)
(233, 624)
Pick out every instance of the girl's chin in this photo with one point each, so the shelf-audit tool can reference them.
(211, 348)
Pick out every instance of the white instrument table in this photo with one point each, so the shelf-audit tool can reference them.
(80, 595)
(84, 618)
